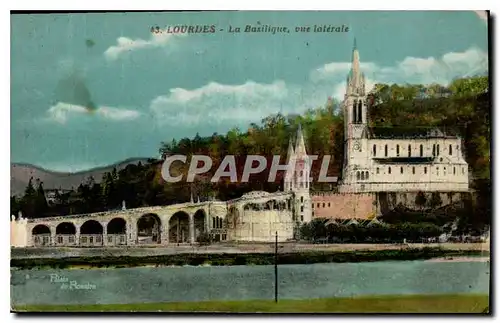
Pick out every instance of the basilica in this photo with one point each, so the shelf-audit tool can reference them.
(395, 159)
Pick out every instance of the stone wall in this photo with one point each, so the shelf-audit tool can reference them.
(344, 205)
(368, 205)
(262, 225)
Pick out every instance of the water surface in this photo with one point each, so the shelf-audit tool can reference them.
(167, 284)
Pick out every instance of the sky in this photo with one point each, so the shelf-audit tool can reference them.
(92, 89)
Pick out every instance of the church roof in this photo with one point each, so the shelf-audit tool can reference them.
(406, 133)
(405, 160)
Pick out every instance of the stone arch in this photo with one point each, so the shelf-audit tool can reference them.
(200, 223)
(91, 227)
(232, 218)
(91, 233)
(40, 229)
(66, 228)
(117, 226)
(178, 225)
(41, 235)
(116, 231)
(149, 229)
(65, 233)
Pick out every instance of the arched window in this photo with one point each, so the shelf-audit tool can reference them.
(366, 175)
(409, 150)
(425, 170)
(362, 175)
(374, 150)
(358, 176)
(378, 170)
(323, 204)
(301, 199)
(389, 170)
(397, 150)
(450, 150)
(437, 171)
(454, 171)
(386, 150)
(438, 149)
(354, 114)
(413, 170)
(434, 150)
(401, 170)
(360, 111)
(421, 150)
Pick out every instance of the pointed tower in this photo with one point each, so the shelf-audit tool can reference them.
(288, 182)
(301, 179)
(355, 122)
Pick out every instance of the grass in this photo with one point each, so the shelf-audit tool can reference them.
(373, 304)
(225, 259)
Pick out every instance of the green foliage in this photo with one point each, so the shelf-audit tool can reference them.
(354, 233)
(462, 108)
(420, 199)
(435, 200)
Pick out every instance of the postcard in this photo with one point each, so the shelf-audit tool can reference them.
(250, 162)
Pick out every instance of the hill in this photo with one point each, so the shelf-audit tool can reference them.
(20, 175)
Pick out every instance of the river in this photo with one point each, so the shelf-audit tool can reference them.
(167, 284)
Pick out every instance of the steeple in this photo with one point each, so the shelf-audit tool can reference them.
(355, 79)
(300, 147)
(290, 152)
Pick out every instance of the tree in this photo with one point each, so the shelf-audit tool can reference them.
(41, 205)
(28, 202)
(420, 199)
(436, 200)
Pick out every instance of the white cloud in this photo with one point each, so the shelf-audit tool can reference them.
(125, 44)
(416, 70)
(222, 103)
(216, 103)
(62, 111)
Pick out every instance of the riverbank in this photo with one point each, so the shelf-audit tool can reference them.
(235, 259)
(225, 248)
(376, 304)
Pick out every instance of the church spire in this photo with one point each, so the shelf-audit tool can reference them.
(355, 79)
(355, 62)
(290, 152)
(300, 147)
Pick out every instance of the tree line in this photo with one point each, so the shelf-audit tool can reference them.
(463, 107)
